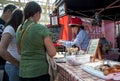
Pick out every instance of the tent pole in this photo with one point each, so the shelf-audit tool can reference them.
(107, 7)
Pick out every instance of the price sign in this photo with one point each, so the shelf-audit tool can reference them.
(93, 49)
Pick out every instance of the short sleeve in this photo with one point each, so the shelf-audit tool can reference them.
(44, 31)
(9, 29)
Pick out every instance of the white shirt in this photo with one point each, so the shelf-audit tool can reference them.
(12, 48)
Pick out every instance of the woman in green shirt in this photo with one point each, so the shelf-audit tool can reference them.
(33, 42)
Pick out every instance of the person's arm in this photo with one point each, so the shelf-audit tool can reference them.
(78, 40)
(65, 43)
(5, 40)
(51, 50)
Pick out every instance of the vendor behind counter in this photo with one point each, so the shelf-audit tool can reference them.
(105, 46)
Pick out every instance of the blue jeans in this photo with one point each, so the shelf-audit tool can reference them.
(5, 76)
(12, 71)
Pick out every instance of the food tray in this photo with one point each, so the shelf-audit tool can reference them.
(90, 68)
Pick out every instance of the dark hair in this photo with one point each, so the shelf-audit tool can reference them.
(74, 26)
(10, 7)
(81, 27)
(31, 8)
(16, 18)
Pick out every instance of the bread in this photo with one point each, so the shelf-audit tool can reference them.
(104, 67)
(113, 69)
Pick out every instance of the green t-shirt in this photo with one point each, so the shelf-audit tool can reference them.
(33, 61)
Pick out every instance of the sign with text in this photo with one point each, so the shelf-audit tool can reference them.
(92, 47)
(54, 20)
(94, 50)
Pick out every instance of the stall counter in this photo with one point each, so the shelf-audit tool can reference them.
(74, 73)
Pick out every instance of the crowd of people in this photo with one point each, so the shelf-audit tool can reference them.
(24, 44)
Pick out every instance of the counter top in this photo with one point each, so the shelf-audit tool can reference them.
(74, 73)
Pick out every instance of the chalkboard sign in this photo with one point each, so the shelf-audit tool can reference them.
(93, 49)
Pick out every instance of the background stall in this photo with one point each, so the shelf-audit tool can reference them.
(99, 18)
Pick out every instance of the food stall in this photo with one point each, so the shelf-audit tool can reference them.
(85, 67)
(107, 15)
(99, 18)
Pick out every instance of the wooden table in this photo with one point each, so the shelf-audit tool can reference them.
(74, 73)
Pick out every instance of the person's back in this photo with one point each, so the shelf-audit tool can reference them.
(83, 39)
(33, 41)
(3, 20)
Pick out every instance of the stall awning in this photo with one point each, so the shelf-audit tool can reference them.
(107, 9)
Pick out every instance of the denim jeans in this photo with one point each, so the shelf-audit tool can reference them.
(12, 71)
(5, 76)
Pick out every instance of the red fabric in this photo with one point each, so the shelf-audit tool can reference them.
(56, 45)
(75, 21)
(65, 29)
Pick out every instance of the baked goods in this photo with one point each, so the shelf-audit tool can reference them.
(72, 50)
(110, 69)
(104, 67)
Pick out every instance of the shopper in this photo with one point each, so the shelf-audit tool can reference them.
(82, 39)
(8, 47)
(7, 11)
(34, 41)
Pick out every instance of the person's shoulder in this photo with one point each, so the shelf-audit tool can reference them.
(82, 31)
(40, 26)
(9, 27)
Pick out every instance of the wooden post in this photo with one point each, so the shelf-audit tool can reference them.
(97, 54)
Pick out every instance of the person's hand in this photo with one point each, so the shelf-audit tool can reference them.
(59, 42)
(17, 63)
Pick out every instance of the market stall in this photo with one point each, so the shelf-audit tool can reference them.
(87, 66)
(99, 18)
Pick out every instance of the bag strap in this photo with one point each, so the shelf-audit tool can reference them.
(23, 34)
